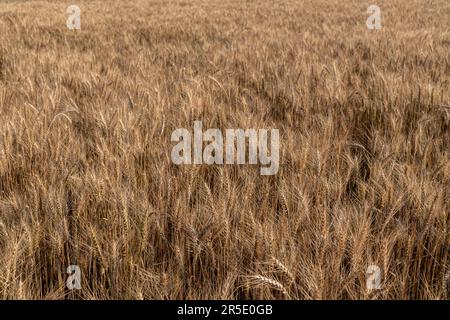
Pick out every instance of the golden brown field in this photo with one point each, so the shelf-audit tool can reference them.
(86, 176)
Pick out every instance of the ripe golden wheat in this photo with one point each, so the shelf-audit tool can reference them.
(85, 171)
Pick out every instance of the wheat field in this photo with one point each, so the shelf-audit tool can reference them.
(86, 176)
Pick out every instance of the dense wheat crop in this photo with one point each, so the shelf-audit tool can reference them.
(86, 176)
